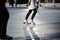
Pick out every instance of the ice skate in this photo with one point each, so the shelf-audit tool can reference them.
(25, 22)
(32, 22)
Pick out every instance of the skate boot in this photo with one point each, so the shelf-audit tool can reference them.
(32, 22)
(25, 22)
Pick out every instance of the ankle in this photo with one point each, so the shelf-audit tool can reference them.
(31, 20)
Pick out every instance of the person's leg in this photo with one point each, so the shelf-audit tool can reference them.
(12, 5)
(28, 14)
(25, 21)
(3, 24)
(5, 19)
(0, 30)
(3, 27)
(33, 15)
(16, 3)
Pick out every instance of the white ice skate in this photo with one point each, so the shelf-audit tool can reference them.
(25, 22)
(32, 22)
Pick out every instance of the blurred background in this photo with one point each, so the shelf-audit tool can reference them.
(19, 2)
(47, 19)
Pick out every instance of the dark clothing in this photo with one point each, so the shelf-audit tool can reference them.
(33, 15)
(11, 2)
(2, 3)
(4, 16)
(21, 2)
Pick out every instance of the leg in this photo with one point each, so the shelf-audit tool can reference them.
(3, 24)
(16, 3)
(28, 14)
(12, 5)
(3, 27)
(33, 15)
(25, 21)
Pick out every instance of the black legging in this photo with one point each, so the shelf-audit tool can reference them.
(33, 15)
(4, 16)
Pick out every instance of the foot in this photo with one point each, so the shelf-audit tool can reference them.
(32, 22)
(25, 22)
(6, 37)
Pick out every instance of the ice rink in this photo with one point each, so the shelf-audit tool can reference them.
(47, 24)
